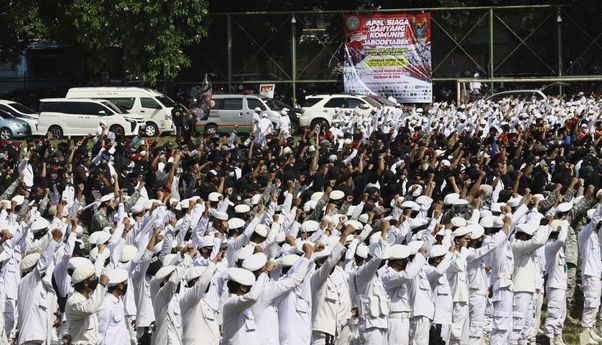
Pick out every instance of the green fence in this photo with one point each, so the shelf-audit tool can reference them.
(302, 50)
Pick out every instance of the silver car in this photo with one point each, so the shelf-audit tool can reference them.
(12, 127)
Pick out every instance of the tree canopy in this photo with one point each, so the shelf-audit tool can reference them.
(150, 34)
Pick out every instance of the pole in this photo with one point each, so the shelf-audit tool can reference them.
(559, 46)
(294, 57)
(491, 18)
(229, 45)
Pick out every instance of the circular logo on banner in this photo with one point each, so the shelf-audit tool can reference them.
(352, 23)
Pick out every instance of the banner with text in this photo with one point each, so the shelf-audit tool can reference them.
(389, 55)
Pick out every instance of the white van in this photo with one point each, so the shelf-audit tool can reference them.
(79, 117)
(152, 105)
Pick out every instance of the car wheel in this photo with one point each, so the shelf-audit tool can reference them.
(118, 130)
(319, 122)
(56, 131)
(211, 129)
(5, 133)
(151, 129)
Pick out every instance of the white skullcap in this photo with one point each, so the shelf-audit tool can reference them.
(137, 208)
(220, 215)
(356, 225)
(289, 260)
(309, 205)
(316, 196)
(423, 199)
(194, 272)
(525, 228)
(77, 261)
(336, 195)
(99, 237)
(214, 196)
(207, 241)
(18, 199)
(255, 262)
(399, 251)
(29, 261)
(107, 197)
(564, 207)
(310, 226)
(117, 276)
(245, 252)
(235, 223)
(363, 218)
(461, 231)
(437, 251)
(487, 222)
(460, 202)
(458, 222)
(163, 272)
(128, 253)
(242, 208)
(255, 199)
(83, 271)
(450, 198)
(409, 204)
(487, 189)
(362, 251)
(262, 230)
(476, 231)
(241, 276)
(416, 223)
(39, 224)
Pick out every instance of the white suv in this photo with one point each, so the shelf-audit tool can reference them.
(319, 109)
(79, 117)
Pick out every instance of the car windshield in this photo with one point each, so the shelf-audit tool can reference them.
(372, 101)
(22, 109)
(113, 107)
(275, 104)
(166, 101)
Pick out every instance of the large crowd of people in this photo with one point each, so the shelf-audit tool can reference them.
(448, 224)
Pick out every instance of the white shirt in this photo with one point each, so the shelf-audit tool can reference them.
(239, 322)
(442, 292)
(112, 323)
(265, 309)
(525, 273)
(396, 284)
(294, 315)
(198, 318)
(555, 261)
(81, 316)
(34, 301)
(589, 247)
(373, 301)
(325, 299)
(168, 322)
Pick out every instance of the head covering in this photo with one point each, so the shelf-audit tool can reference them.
(241, 276)
(255, 262)
(29, 261)
(84, 270)
(117, 276)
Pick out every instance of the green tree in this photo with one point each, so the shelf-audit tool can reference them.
(150, 34)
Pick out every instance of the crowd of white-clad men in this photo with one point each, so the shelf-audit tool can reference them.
(439, 225)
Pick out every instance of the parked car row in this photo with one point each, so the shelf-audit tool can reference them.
(126, 110)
